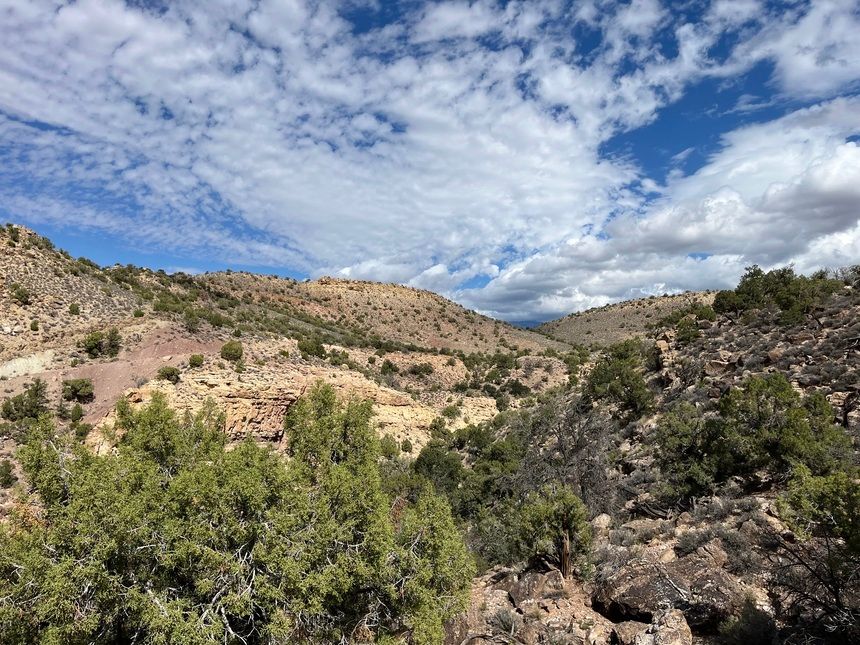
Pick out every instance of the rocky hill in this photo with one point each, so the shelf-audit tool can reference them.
(412, 353)
(616, 322)
(403, 315)
(694, 537)
(671, 470)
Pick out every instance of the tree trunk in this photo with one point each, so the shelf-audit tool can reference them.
(565, 555)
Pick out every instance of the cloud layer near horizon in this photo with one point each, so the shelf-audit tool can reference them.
(459, 142)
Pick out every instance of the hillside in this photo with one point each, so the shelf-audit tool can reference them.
(413, 353)
(399, 314)
(616, 322)
(685, 473)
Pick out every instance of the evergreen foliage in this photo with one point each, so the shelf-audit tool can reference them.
(169, 373)
(617, 377)
(762, 427)
(28, 406)
(176, 540)
(232, 350)
(792, 295)
(19, 294)
(98, 343)
(79, 390)
(311, 347)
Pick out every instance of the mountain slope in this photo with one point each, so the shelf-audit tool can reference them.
(411, 352)
(616, 322)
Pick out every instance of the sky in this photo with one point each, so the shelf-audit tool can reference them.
(525, 158)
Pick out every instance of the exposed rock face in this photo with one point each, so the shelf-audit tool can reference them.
(820, 353)
(669, 628)
(528, 606)
(256, 401)
(641, 590)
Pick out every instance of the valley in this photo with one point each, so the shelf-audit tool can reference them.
(671, 470)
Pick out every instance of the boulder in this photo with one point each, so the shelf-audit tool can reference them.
(625, 633)
(534, 585)
(540, 606)
(640, 590)
(715, 367)
(669, 628)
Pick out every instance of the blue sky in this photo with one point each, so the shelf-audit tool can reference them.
(526, 158)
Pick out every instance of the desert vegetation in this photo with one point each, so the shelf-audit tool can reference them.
(696, 454)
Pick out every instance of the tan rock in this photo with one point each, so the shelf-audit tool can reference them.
(668, 628)
(625, 633)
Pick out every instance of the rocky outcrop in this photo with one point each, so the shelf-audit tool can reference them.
(820, 353)
(669, 628)
(256, 401)
(642, 589)
(529, 606)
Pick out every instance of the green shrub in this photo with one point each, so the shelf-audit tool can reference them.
(451, 411)
(727, 302)
(34, 325)
(113, 342)
(311, 347)
(517, 388)
(406, 446)
(389, 447)
(79, 389)
(27, 406)
(76, 413)
(298, 550)
(792, 295)
(195, 360)
(421, 369)
(19, 294)
(824, 505)
(232, 350)
(81, 430)
(169, 373)
(686, 331)
(138, 313)
(92, 343)
(440, 465)
(761, 426)
(75, 309)
(818, 566)
(14, 233)
(616, 377)
(98, 343)
(191, 320)
(388, 368)
(553, 523)
(7, 476)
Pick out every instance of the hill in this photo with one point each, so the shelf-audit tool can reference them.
(371, 310)
(609, 324)
(413, 353)
(689, 476)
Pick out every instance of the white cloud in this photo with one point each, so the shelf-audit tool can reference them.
(456, 20)
(777, 192)
(813, 46)
(272, 134)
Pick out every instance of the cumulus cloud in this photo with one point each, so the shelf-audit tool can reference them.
(464, 140)
(775, 193)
